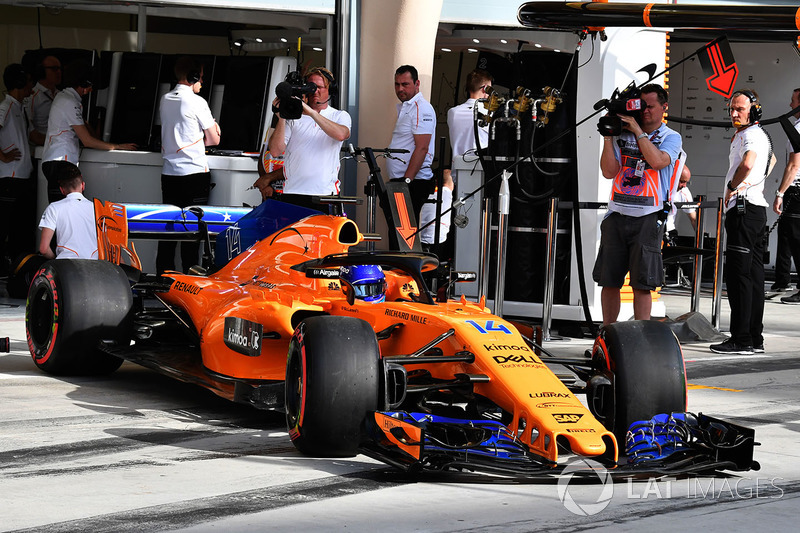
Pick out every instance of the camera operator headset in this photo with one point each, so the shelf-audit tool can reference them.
(311, 141)
(740, 183)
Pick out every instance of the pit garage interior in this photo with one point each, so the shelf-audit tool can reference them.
(252, 44)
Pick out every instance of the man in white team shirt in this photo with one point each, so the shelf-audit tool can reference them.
(17, 223)
(311, 144)
(413, 131)
(66, 129)
(71, 220)
(682, 195)
(40, 101)
(187, 127)
(750, 160)
(461, 118)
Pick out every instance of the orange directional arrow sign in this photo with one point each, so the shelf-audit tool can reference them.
(719, 68)
(405, 229)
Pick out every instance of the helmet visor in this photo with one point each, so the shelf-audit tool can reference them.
(370, 290)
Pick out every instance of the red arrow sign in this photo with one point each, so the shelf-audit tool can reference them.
(720, 68)
(406, 230)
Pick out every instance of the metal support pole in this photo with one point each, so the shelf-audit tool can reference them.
(486, 239)
(503, 204)
(141, 29)
(698, 259)
(716, 301)
(372, 206)
(547, 301)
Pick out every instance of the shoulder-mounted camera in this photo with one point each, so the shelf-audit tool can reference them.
(293, 85)
(628, 102)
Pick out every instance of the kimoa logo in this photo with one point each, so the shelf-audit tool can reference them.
(493, 347)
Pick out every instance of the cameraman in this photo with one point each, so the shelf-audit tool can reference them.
(642, 161)
(311, 145)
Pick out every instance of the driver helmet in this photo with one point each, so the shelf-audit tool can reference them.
(368, 282)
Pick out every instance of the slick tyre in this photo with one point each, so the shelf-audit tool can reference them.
(649, 377)
(73, 305)
(332, 383)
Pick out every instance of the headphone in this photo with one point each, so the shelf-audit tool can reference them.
(193, 76)
(755, 105)
(333, 87)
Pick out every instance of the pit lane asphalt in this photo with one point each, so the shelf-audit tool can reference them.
(136, 451)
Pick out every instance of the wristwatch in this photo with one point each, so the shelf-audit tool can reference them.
(641, 136)
(406, 179)
(778, 194)
(730, 186)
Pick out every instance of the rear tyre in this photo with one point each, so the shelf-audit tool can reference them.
(73, 304)
(332, 383)
(649, 377)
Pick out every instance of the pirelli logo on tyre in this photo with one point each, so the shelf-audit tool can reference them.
(243, 336)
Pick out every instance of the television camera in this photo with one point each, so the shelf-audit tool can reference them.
(628, 102)
(290, 93)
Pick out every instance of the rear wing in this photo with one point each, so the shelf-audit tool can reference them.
(118, 222)
(112, 234)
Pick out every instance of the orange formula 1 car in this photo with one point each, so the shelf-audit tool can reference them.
(416, 380)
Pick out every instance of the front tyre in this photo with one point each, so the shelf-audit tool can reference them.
(645, 359)
(72, 305)
(332, 383)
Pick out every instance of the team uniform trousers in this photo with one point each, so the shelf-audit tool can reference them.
(17, 217)
(744, 271)
(788, 237)
(182, 191)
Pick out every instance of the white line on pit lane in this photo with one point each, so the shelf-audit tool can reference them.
(740, 357)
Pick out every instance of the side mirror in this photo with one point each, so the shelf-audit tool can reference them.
(349, 291)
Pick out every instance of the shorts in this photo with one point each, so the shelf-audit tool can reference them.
(630, 244)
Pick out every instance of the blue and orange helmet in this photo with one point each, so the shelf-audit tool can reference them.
(368, 282)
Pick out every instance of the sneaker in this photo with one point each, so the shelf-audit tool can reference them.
(794, 299)
(758, 348)
(732, 347)
(775, 287)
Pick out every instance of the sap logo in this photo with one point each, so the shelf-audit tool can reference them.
(489, 326)
(563, 418)
(550, 395)
(502, 359)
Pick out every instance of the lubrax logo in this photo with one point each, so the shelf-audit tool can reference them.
(550, 395)
(503, 359)
(243, 336)
(508, 347)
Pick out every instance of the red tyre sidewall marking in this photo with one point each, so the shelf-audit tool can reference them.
(52, 341)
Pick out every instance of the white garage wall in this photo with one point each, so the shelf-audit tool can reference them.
(773, 71)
